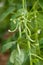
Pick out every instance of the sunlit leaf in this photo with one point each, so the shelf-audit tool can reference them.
(16, 58)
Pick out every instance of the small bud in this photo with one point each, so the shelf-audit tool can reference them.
(39, 31)
(9, 30)
(10, 19)
(18, 19)
(23, 17)
(14, 21)
(35, 16)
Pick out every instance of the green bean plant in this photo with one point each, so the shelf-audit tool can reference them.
(26, 22)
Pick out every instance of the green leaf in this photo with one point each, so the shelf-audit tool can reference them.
(6, 13)
(6, 46)
(41, 3)
(40, 20)
(41, 43)
(9, 63)
(16, 58)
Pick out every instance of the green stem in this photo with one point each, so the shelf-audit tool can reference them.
(24, 4)
(36, 35)
(20, 30)
(29, 46)
(36, 25)
(34, 6)
(18, 48)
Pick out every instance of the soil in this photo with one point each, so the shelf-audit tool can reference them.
(4, 58)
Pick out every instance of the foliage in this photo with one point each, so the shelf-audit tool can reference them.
(25, 20)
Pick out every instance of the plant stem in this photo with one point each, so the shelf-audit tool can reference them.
(30, 53)
(36, 35)
(20, 30)
(24, 4)
(29, 45)
(18, 48)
